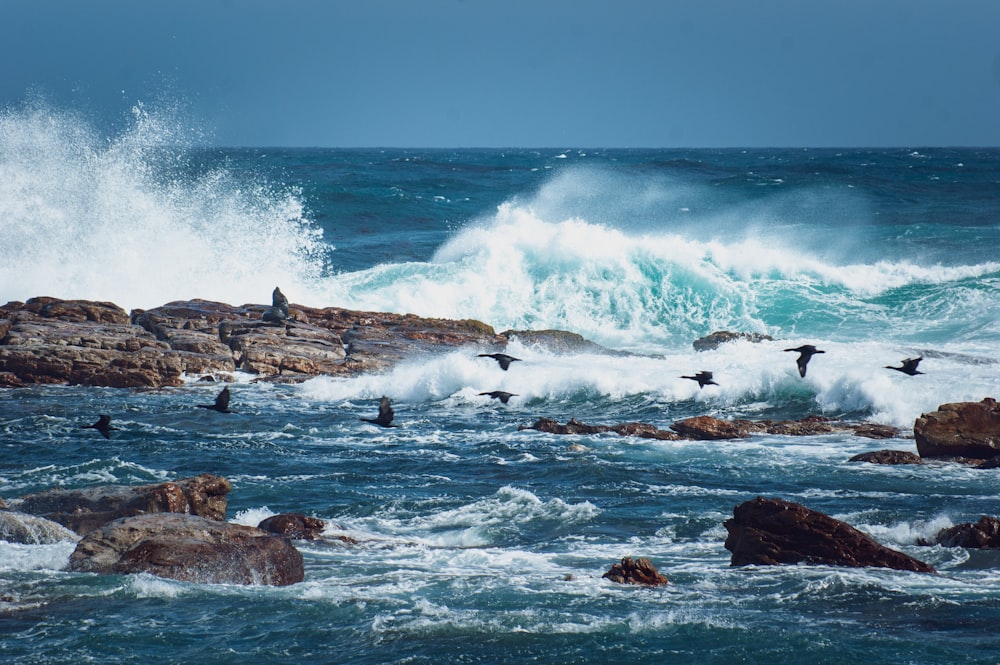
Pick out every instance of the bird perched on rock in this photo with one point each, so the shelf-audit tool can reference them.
(221, 402)
(703, 378)
(502, 358)
(103, 425)
(501, 395)
(385, 414)
(806, 351)
(909, 366)
(278, 311)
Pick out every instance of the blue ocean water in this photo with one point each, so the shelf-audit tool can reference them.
(478, 542)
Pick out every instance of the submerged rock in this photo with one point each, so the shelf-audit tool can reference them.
(773, 531)
(961, 429)
(28, 529)
(984, 534)
(83, 510)
(190, 549)
(294, 525)
(638, 571)
(888, 457)
(716, 339)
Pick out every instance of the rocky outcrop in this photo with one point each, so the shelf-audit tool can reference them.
(708, 428)
(888, 457)
(190, 549)
(294, 525)
(560, 341)
(773, 531)
(961, 429)
(714, 340)
(28, 529)
(638, 571)
(47, 340)
(984, 534)
(84, 510)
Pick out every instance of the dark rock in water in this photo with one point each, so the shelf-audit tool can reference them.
(875, 431)
(773, 531)
(32, 530)
(638, 571)
(984, 534)
(190, 549)
(709, 428)
(888, 457)
(294, 525)
(560, 341)
(645, 431)
(961, 429)
(83, 510)
(713, 341)
(573, 426)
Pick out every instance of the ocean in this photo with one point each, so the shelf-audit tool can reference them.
(479, 542)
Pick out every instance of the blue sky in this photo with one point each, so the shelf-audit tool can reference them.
(525, 73)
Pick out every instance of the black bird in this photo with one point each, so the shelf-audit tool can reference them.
(703, 378)
(806, 351)
(501, 358)
(385, 414)
(909, 366)
(221, 402)
(278, 311)
(103, 425)
(501, 395)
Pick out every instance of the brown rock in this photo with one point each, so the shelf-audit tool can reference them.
(888, 457)
(984, 534)
(773, 531)
(190, 549)
(961, 429)
(83, 510)
(638, 571)
(709, 428)
(294, 525)
(645, 431)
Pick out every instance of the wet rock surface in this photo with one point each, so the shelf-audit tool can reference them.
(960, 429)
(767, 531)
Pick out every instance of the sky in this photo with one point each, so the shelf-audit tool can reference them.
(520, 73)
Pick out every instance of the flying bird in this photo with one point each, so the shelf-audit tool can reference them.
(703, 378)
(221, 402)
(502, 358)
(501, 395)
(909, 366)
(103, 425)
(806, 351)
(385, 414)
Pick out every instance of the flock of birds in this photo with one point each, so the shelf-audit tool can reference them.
(386, 414)
(279, 313)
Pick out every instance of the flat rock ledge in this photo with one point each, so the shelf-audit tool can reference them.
(78, 342)
(708, 428)
(83, 510)
(767, 531)
(189, 549)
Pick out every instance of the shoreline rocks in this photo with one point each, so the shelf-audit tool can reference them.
(640, 572)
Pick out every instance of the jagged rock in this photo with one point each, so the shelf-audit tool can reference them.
(984, 534)
(638, 571)
(875, 431)
(961, 429)
(773, 531)
(645, 431)
(714, 340)
(709, 428)
(32, 530)
(572, 426)
(290, 348)
(83, 510)
(888, 457)
(190, 549)
(294, 525)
